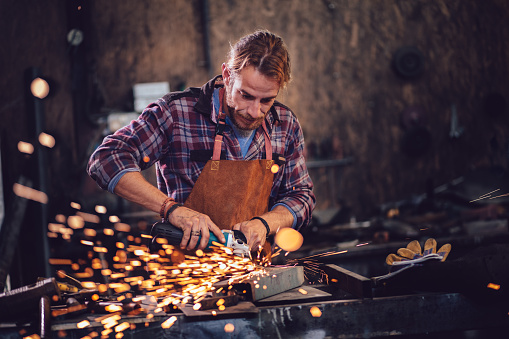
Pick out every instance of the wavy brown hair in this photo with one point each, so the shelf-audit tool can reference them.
(266, 52)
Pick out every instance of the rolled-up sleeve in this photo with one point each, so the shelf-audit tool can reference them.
(134, 147)
(296, 189)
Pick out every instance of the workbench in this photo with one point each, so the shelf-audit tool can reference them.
(341, 315)
(351, 318)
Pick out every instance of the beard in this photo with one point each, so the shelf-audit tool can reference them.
(241, 120)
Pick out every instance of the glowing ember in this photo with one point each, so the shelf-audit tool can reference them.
(100, 209)
(494, 286)
(169, 322)
(121, 227)
(75, 222)
(303, 291)
(75, 205)
(315, 312)
(114, 219)
(488, 195)
(83, 324)
(122, 327)
(108, 231)
(88, 217)
(39, 88)
(46, 140)
(25, 147)
(229, 328)
(30, 193)
(289, 239)
(275, 168)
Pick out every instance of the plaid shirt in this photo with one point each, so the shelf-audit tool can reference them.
(175, 130)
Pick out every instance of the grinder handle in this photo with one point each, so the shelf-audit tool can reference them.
(174, 234)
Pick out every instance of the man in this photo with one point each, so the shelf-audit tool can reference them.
(231, 152)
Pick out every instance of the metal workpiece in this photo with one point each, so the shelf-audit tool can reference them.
(272, 281)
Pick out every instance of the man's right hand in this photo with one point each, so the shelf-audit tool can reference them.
(134, 187)
(194, 225)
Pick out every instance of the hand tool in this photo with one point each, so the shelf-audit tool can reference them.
(235, 240)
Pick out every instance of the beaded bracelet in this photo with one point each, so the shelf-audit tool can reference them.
(163, 206)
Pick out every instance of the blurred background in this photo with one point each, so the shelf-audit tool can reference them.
(403, 106)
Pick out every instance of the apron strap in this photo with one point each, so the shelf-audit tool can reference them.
(221, 123)
(268, 145)
(218, 140)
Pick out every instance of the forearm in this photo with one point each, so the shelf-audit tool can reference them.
(279, 217)
(133, 187)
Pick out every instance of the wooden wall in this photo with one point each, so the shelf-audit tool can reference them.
(344, 91)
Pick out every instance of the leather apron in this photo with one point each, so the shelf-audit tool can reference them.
(231, 191)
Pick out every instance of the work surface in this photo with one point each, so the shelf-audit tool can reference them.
(353, 318)
(308, 311)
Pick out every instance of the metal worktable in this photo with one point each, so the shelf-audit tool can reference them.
(352, 318)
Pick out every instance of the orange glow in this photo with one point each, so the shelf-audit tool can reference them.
(169, 322)
(113, 308)
(289, 239)
(39, 88)
(100, 209)
(275, 168)
(25, 147)
(196, 306)
(46, 140)
(30, 193)
(146, 159)
(315, 312)
(114, 219)
(221, 308)
(89, 232)
(75, 222)
(75, 205)
(494, 286)
(303, 291)
(88, 284)
(54, 261)
(108, 231)
(83, 324)
(106, 272)
(122, 327)
(121, 227)
(100, 249)
(89, 217)
(229, 328)
(60, 218)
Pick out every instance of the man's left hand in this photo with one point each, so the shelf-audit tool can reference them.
(254, 231)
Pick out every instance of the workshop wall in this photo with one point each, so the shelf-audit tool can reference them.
(344, 91)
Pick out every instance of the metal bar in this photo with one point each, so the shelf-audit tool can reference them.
(329, 163)
(273, 281)
(349, 281)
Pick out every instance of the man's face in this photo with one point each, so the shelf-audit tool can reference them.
(249, 97)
